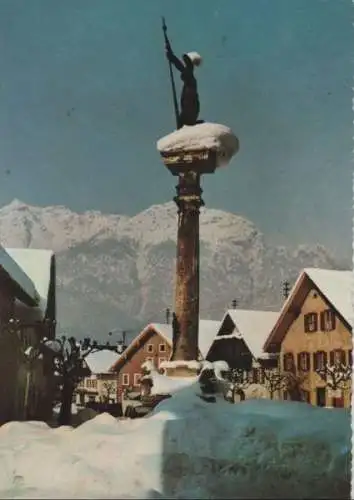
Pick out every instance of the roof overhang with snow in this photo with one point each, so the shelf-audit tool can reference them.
(40, 267)
(21, 284)
(101, 362)
(252, 326)
(335, 287)
(207, 331)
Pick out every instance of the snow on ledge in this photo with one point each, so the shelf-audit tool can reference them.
(210, 136)
(192, 365)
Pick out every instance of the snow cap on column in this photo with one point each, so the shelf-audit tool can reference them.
(201, 137)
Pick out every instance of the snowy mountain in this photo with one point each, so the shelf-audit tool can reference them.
(117, 272)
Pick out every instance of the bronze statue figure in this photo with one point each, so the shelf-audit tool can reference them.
(189, 102)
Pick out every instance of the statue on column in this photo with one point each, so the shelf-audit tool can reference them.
(189, 102)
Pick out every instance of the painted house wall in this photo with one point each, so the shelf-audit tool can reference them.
(13, 368)
(148, 350)
(98, 388)
(297, 340)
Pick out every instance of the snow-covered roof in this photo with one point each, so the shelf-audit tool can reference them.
(252, 326)
(337, 286)
(18, 274)
(101, 361)
(37, 266)
(210, 136)
(207, 331)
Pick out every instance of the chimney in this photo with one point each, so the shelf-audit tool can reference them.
(234, 304)
(124, 338)
(168, 315)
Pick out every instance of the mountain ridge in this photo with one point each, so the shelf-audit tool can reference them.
(117, 270)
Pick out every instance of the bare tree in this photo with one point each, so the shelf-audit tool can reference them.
(110, 389)
(240, 380)
(274, 381)
(337, 376)
(70, 368)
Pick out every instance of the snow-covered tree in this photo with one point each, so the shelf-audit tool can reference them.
(70, 368)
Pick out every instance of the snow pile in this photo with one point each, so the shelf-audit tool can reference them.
(210, 136)
(187, 448)
(169, 385)
(192, 365)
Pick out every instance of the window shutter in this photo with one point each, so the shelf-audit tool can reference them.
(308, 361)
(324, 359)
(315, 320)
(322, 321)
(333, 319)
(331, 358)
(306, 323)
(315, 361)
(350, 357)
(299, 361)
(343, 357)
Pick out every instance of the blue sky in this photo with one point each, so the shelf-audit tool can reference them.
(84, 95)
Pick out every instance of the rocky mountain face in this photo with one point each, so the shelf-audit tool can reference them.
(116, 272)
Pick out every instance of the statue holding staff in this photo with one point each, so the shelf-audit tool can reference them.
(189, 102)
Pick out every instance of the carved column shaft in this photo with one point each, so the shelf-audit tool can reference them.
(188, 201)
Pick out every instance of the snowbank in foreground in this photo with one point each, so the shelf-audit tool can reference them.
(186, 449)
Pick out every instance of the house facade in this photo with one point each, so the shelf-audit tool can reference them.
(239, 341)
(102, 384)
(154, 344)
(27, 314)
(313, 336)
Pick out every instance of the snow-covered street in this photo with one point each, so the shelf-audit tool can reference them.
(186, 448)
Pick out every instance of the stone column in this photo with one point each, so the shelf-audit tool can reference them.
(188, 201)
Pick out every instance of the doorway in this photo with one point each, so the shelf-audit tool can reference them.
(321, 396)
(338, 402)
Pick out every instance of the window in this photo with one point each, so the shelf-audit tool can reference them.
(162, 347)
(288, 362)
(91, 383)
(337, 357)
(328, 320)
(161, 360)
(319, 360)
(255, 375)
(303, 361)
(125, 379)
(350, 357)
(310, 322)
(150, 348)
(261, 377)
(137, 377)
(150, 360)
